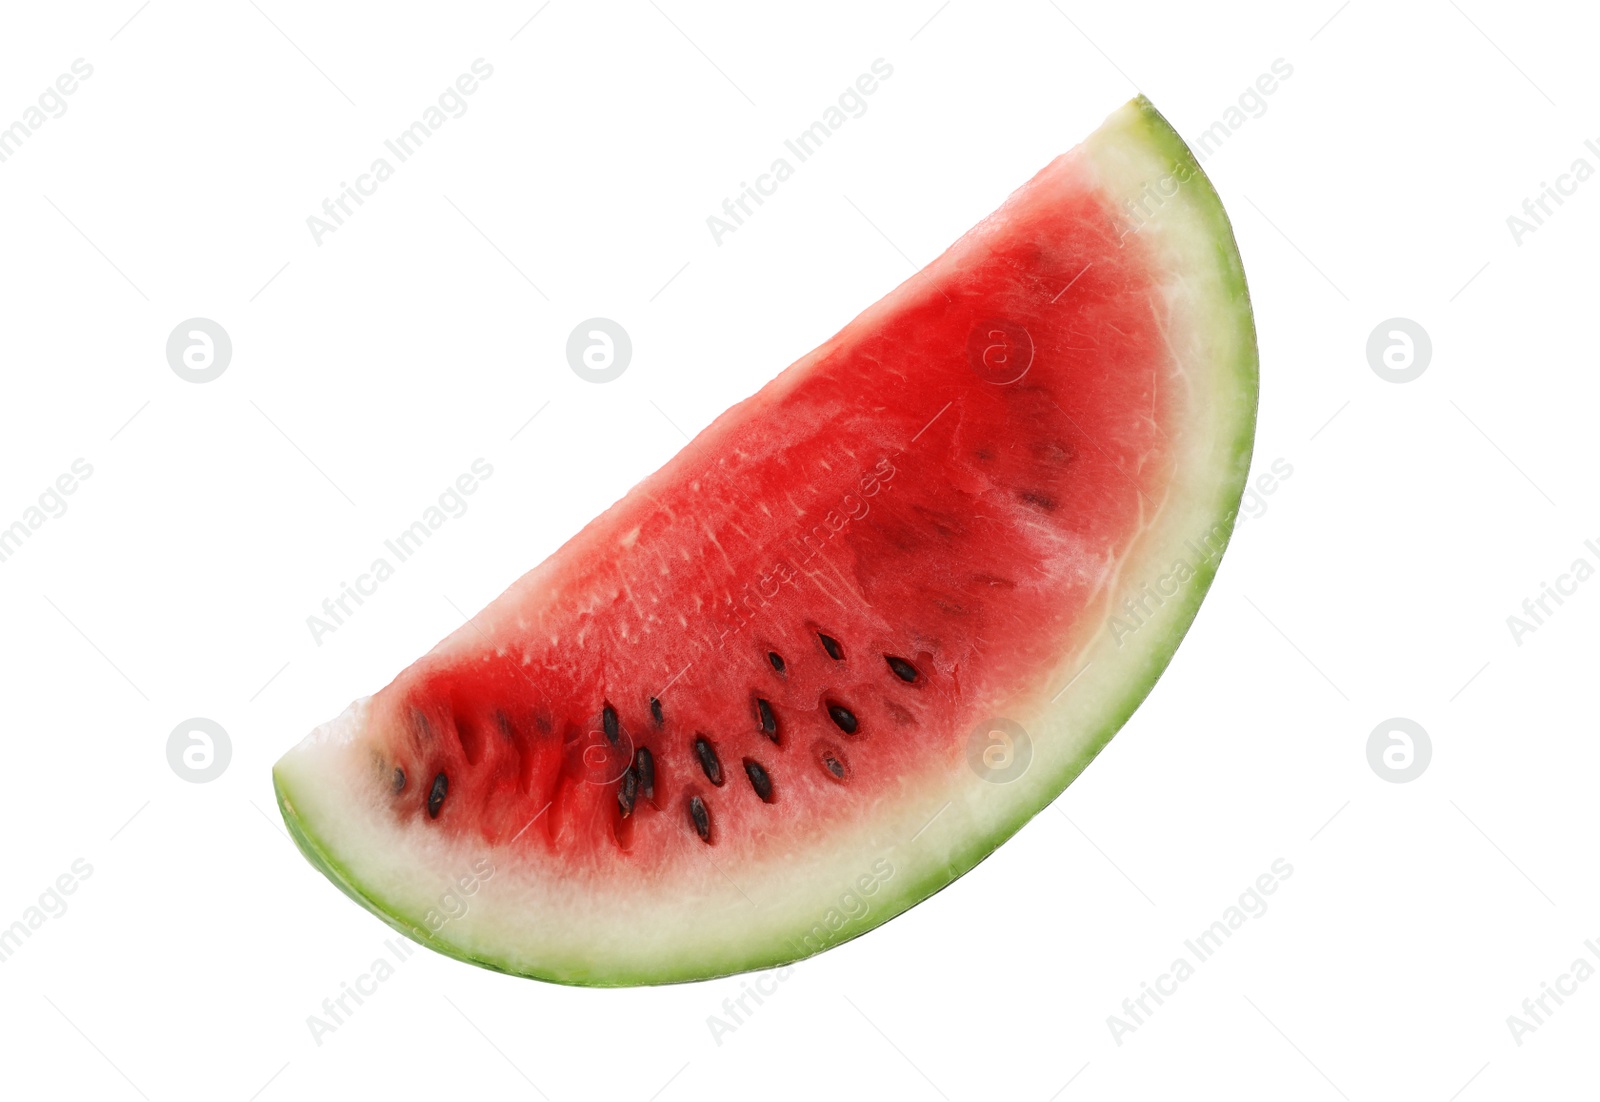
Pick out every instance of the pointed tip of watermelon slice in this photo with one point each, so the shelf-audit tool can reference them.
(331, 750)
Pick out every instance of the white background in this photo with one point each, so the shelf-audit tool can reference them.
(372, 369)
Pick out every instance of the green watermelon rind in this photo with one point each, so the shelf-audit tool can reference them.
(1141, 126)
(323, 862)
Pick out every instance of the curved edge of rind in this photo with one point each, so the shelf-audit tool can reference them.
(315, 853)
(1139, 115)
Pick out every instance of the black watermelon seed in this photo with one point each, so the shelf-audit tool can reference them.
(769, 722)
(844, 717)
(628, 792)
(708, 759)
(758, 779)
(833, 765)
(904, 670)
(399, 782)
(441, 784)
(701, 817)
(776, 659)
(644, 763)
(831, 645)
(655, 710)
(608, 720)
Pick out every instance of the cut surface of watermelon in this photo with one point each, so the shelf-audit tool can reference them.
(853, 636)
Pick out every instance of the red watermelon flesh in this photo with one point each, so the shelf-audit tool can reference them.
(851, 637)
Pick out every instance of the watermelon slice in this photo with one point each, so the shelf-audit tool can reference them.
(853, 636)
